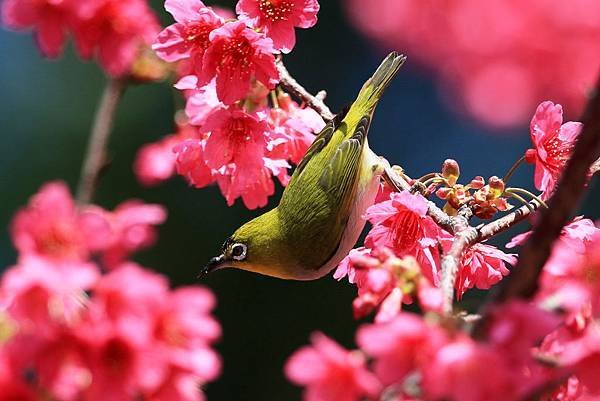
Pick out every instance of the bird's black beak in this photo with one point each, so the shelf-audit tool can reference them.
(214, 264)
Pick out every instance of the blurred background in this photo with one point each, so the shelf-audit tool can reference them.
(450, 100)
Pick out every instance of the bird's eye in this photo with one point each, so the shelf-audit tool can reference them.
(238, 251)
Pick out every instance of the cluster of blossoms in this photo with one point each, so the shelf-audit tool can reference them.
(526, 348)
(240, 130)
(80, 321)
(549, 347)
(113, 31)
(495, 53)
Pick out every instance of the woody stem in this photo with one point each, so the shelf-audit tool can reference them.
(95, 156)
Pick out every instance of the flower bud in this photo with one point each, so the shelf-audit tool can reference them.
(450, 171)
(477, 182)
(496, 186)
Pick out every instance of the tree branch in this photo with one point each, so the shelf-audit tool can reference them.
(292, 86)
(464, 237)
(523, 282)
(95, 157)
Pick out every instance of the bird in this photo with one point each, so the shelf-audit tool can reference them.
(319, 217)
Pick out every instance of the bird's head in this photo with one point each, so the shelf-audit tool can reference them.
(256, 246)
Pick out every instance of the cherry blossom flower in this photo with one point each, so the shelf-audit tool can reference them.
(188, 38)
(129, 228)
(467, 371)
(50, 225)
(482, 266)
(399, 346)
(235, 55)
(277, 18)
(40, 293)
(553, 144)
(329, 372)
(155, 162)
(50, 19)
(401, 224)
(191, 163)
(115, 33)
(295, 126)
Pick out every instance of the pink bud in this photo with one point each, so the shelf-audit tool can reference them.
(451, 171)
(477, 182)
(496, 186)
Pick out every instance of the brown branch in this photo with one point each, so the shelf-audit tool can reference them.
(464, 237)
(292, 86)
(95, 157)
(523, 282)
(505, 222)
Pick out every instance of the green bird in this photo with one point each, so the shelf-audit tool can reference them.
(319, 217)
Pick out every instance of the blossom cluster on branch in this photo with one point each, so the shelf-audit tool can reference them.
(79, 321)
(240, 130)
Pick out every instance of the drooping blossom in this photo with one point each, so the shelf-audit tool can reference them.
(235, 56)
(50, 19)
(278, 18)
(401, 224)
(482, 266)
(50, 226)
(188, 38)
(191, 164)
(567, 279)
(399, 346)
(330, 372)
(385, 282)
(553, 144)
(115, 33)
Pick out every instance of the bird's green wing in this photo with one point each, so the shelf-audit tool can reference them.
(340, 173)
(322, 139)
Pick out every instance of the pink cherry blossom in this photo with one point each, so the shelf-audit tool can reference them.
(277, 18)
(464, 370)
(294, 128)
(553, 143)
(185, 330)
(401, 224)
(50, 225)
(482, 266)
(115, 32)
(399, 346)
(191, 163)
(155, 162)
(201, 103)
(129, 228)
(188, 38)
(331, 373)
(237, 54)
(49, 18)
(40, 293)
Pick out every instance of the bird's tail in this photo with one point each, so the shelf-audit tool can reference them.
(372, 90)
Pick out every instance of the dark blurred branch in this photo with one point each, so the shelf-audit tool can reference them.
(292, 86)
(95, 156)
(523, 282)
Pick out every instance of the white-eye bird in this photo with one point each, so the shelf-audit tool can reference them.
(319, 217)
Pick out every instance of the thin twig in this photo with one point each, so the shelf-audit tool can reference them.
(95, 156)
(523, 281)
(505, 222)
(464, 237)
(293, 87)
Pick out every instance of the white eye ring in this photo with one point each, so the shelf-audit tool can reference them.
(238, 251)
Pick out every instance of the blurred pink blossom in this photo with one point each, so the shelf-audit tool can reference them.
(493, 56)
(330, 372)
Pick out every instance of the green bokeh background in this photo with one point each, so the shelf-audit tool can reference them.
(46, 108)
